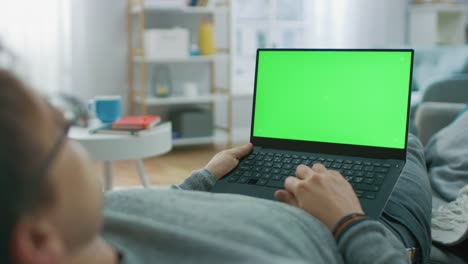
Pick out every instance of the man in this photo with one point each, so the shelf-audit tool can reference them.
(53, 210)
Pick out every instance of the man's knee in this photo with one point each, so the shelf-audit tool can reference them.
(410, 203)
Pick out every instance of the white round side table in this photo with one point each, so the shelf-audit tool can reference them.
(110, 147)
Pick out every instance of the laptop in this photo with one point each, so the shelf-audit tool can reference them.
(347, 109)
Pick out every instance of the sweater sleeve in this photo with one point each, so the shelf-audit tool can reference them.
(200, 180)
(370, 242)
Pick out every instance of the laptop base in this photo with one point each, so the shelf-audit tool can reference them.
(246, 179)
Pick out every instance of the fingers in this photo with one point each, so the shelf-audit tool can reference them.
(291, 184)
(241, 151)
(318, 167)
(286, 197)
(302, 172)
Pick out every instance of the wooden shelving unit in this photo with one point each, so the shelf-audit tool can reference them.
(139, 98)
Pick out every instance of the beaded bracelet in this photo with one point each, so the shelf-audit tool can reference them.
(345, 221)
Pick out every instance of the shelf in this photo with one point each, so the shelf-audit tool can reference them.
(150, 7)
(192, 141)
(188, 59)
(172, 100)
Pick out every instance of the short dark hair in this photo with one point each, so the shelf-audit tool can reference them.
(20, 156)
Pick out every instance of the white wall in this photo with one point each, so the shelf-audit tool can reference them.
(99, 48)
(356, 24)
(34, 33)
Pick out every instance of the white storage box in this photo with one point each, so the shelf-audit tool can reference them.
(166, 43)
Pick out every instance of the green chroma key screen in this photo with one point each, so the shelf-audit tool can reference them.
(341, 96)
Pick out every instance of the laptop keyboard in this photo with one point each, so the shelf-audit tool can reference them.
(271, 169)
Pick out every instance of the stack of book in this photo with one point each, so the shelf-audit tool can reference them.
(129, 125)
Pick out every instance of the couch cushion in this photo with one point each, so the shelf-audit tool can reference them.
(431, 117)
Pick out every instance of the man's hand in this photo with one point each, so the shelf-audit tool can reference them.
(323, 193)
(226, 160)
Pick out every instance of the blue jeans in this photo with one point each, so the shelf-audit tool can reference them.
(408, 211)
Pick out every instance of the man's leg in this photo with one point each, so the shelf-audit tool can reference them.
(408, 211)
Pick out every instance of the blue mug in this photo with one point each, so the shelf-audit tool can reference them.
(107, 108)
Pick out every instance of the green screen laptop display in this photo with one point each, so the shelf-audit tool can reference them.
(344, 97)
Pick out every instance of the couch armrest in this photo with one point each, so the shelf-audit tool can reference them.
(430, 117)
(452, 89)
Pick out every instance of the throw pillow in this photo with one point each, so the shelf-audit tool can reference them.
(447, 159)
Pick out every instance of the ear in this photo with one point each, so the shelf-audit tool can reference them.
(36, 241)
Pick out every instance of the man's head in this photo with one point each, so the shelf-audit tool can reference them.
(50, 199)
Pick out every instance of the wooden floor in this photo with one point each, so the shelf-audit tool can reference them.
(170, 168)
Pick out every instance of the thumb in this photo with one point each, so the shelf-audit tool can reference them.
(241, 151)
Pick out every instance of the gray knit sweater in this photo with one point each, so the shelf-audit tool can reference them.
(186, 224)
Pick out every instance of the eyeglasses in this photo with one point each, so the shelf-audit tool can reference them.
(54, 152)
(38, 179)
